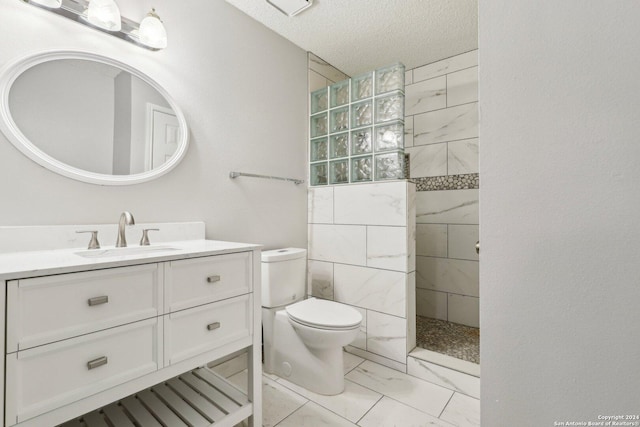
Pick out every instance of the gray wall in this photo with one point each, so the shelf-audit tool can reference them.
(122, 124)
(560, 163)
(226, 71)
(43, 101)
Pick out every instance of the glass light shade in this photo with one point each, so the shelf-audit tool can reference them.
(152, 32)
(104, 14)
(53, 4)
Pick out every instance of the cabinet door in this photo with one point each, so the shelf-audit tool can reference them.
(46, 377)
(200, 281)
(52, 308)
(203, 328)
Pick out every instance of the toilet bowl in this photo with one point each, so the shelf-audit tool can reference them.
(303, 339)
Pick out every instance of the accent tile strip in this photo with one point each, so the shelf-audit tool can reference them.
(450, 182)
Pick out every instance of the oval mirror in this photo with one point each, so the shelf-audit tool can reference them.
(91, 118)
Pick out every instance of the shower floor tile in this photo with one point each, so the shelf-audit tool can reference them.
(452, 339)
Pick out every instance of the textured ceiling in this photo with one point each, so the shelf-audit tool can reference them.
(360, 35)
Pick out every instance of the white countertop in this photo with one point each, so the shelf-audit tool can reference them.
(41, 263)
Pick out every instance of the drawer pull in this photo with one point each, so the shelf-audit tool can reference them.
(213, 279)
(92, 364)
(98, 300)
(213, 326)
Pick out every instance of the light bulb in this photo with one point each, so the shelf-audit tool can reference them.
(52, 4)
(104, 14)
(152, 32)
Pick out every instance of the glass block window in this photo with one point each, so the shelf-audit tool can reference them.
(339, 172)
(319, 100)
(357, 129)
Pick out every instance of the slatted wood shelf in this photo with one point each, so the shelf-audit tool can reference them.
(198, 398)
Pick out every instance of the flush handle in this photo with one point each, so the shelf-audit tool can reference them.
(213, 279)
(98, 300)
(213, 326)
(478, 248)
(95, 363)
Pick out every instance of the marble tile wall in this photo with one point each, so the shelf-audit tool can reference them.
(362, 253)
(441, 117)
(362, 249)
(441, 136)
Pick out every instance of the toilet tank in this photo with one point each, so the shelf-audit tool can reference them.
(283, 276)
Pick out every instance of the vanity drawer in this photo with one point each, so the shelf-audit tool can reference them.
(200, 281)
(203, 328)
(47, 309)
(47, 377)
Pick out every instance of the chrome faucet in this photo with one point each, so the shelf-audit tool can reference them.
(125, 219)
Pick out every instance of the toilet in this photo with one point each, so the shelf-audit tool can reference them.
(303, 339)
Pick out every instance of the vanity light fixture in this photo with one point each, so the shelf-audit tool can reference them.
(52, 4)
(104, 15)
(152, 32)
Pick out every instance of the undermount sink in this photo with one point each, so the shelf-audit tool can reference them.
(116, 252)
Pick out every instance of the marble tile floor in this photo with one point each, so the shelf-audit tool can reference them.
(374, 396)
(452, 339)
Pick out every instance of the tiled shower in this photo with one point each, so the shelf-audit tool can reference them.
(442, 143)
(441, 140)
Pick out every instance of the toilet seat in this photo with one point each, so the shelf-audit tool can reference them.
(323, 314)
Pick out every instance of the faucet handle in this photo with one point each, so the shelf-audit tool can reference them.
(93, 243)
(145, 236)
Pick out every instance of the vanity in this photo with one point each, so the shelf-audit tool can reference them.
(125, 334)
(116, 336)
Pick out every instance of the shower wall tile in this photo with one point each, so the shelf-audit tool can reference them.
(428, 160)
(411, 226)
(325, 69)
(408, 131)
(361, 340)
(449, 65)
(448, 275)
(427, 95)
(462, 87)
(462, 157)
(443, 159)
(431, 304)
(447, 207)
(371, 288)
(320, 205)
(371, 204)
(431, 240)
(449, 124)
(338, 243)
(411, 311)
(462, 241)
(464, 310)
(320, 279)
(387, 248)
(387, 336)
(453, 380)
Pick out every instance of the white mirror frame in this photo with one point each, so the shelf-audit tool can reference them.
(12, 71)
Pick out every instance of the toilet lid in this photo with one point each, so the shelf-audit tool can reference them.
(324, 314)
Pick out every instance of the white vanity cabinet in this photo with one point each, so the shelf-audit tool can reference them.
(135, 336)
